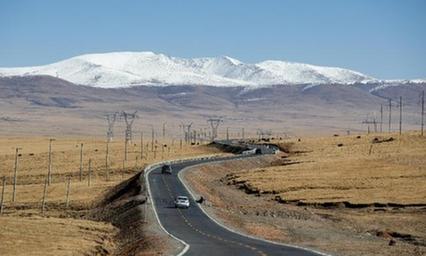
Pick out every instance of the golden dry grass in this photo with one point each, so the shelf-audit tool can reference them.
(26, 231)
(358, 172)
(33, 165)
(53, 236)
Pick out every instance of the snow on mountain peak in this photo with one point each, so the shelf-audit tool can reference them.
(121, 69)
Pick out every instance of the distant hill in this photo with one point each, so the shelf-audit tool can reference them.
(52, 106)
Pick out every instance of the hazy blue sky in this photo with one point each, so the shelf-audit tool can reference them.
(382, 38)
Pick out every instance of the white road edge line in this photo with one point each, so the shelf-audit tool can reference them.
(182, 180)
(148, 170)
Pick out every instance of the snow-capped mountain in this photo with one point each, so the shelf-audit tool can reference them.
(123, 69)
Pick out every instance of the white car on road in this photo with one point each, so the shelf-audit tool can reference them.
(182, 202)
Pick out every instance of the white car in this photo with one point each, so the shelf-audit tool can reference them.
(182, 202)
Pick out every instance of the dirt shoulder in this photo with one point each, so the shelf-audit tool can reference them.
(336, 230)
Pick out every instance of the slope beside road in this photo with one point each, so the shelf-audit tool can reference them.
(202, 235)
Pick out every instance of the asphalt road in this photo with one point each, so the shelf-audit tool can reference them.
(204, 236)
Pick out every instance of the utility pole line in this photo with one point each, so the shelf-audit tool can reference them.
(370, 121)
(15, 175)
(400, 115)
(81, 161)
(242, 133)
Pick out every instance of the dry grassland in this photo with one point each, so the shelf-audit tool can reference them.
(346, 169)
(24, 230)
(359, 198)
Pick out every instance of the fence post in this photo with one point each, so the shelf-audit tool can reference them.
(106, 162)
(2, 195)
(89, 178)
(43, 204)
(15, 175)
(81, 161)
(67, 201)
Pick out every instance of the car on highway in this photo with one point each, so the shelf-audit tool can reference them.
(254, 151)
(166, 169)
(182, 202)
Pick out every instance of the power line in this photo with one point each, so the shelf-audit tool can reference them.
(214, 124)
(186, 131)
(129, 118)
(111, 118)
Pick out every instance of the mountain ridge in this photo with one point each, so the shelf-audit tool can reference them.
(124, 69)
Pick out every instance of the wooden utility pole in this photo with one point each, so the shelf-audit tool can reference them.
(126, 142)
(89, 180)
(49, 171)
(43, 203)
(381, 118)
(15, 175)
(164, 130)
(375, 125)
(67, 200)
(152, 138)
(141, 145)
(162, 151)
(423, 112)
(390, 115)
(400, 115)
(227, 133)
(2, 195)
(81, 161)
(107, 161)
(242, 133)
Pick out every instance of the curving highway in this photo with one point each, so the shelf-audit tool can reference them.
(202, 235)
